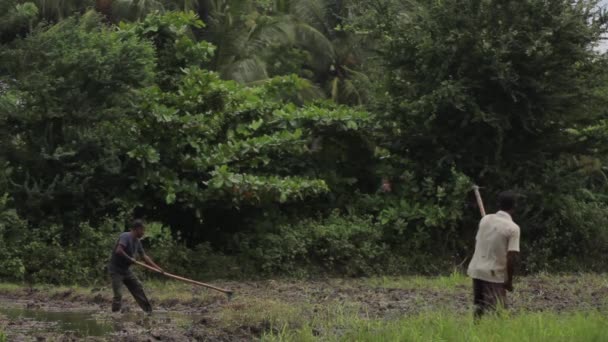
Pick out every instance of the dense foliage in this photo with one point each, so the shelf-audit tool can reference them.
(508, 94)
(257, 138)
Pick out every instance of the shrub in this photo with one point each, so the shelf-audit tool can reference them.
(200, 262)
(347, 245)
(13, 231)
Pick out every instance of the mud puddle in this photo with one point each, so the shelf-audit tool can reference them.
(77, 323)
(25, 321)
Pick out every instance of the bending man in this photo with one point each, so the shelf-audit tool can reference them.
(123, 256)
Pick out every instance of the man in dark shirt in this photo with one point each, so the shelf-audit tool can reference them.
(123, 256)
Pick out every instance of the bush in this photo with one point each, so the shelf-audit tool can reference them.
(65, 118)
(199, 262)
(82, 259)
(571, 236)
(13, 232)
(45, 254)
(347, 245)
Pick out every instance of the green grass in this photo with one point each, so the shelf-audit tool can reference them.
(437, 326)
(260, 312)
(10, 287)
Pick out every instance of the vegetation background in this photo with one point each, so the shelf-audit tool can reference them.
(255, 136)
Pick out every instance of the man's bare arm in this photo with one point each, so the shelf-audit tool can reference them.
(512, 259)
(121, 251)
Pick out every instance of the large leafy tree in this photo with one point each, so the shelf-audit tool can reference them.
(209, 146)
(255, 40)
(69, 91)
(497, 90)
(102, 120)
(16, 19)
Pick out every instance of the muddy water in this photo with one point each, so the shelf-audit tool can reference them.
(32, 318)
(21, 319)
(79, 323)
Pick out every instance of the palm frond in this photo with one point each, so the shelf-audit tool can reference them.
(311, 92)
(59, 9)
(317, 44)
(314, 13)
(349, 93)
(134, 9)
(356, 75)
(245, 70)
(274, 33)
(335, 88)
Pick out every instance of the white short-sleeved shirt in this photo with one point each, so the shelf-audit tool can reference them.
(497, 235)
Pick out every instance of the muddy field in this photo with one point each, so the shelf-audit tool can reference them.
(183, 313)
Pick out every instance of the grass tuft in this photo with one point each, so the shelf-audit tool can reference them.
(439, 326)
(261, 314)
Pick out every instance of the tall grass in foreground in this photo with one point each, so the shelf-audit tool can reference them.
(525, 327)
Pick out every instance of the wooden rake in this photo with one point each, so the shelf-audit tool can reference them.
(186, 280)
(482, 210)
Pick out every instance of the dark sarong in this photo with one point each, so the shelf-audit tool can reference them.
(134, 285)
(488, 296)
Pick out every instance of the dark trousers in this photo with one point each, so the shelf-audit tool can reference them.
(134, 285)
(488, 296)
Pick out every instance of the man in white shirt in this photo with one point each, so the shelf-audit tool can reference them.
(496, 251)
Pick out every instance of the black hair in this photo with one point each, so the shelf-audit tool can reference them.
(507, 200)
(138, 223)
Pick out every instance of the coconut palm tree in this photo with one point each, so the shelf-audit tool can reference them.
(251, 37)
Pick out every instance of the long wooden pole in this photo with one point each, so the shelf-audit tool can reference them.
(482, 210)
(228, 292)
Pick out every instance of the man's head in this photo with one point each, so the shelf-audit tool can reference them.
(138, 228)
(507, 200)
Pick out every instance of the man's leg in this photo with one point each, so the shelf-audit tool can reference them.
(137, 290)
(117, 280)
(497, 295)
(494, 295)
(478, 299)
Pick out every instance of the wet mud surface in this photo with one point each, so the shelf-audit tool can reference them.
(258, 307)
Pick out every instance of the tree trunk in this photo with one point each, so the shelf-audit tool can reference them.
(105, 8)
